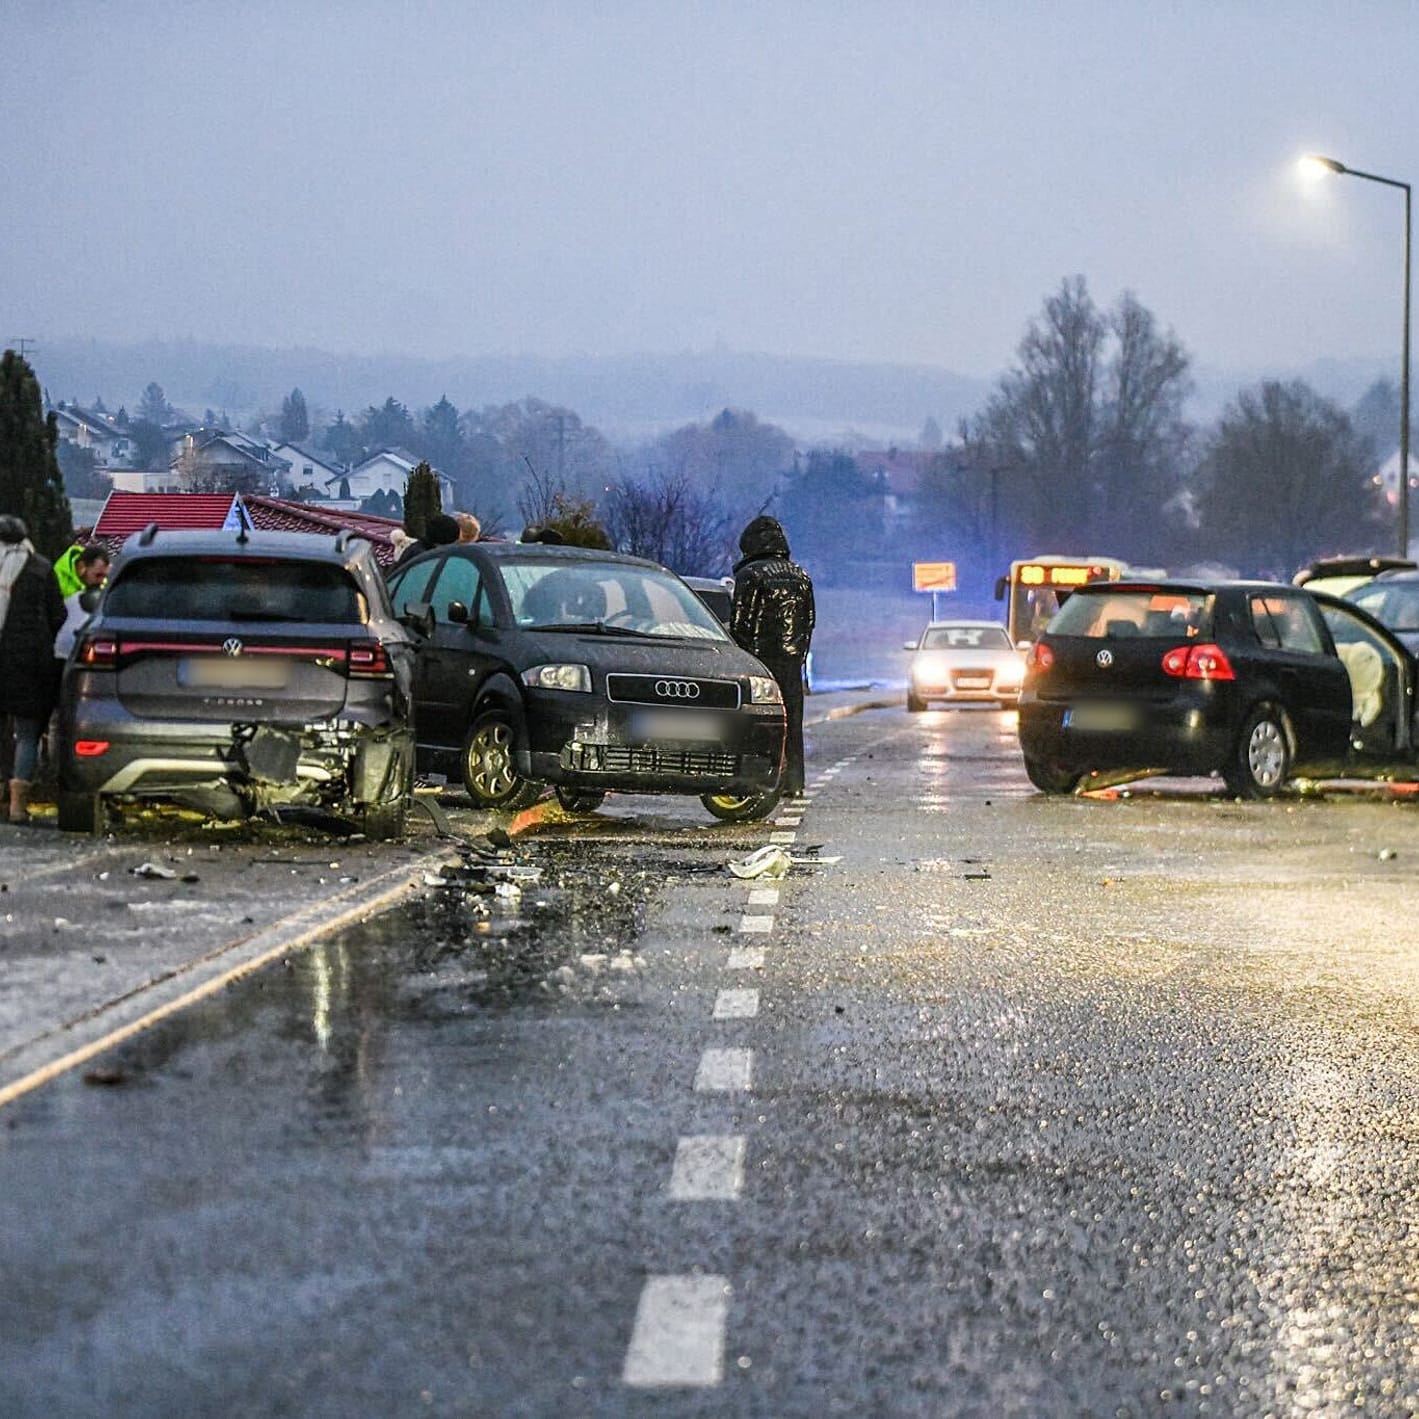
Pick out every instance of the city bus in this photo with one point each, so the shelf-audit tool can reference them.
(1035, 588)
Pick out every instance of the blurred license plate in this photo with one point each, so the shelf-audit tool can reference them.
(973, 682)
(674, 724)
(1104, 717)
(232, 673)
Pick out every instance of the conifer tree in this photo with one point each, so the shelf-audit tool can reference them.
(422, 498)
(31, 485)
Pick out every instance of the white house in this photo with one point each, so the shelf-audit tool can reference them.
(384, 472)
(111, 446)
(308, 469)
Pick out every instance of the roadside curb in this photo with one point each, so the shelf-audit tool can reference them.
(846, 711)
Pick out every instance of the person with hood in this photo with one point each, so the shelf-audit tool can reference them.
(31, 613)
(772, 618)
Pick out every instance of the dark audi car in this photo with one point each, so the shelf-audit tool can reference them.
(240, 673)
(587, 671)
(1251, 680)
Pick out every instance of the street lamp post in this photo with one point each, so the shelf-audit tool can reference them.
(1331, 165)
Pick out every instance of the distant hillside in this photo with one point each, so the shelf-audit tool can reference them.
(627, 397)
(624, 396)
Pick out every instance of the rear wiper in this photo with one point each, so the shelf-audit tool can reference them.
(594, 628)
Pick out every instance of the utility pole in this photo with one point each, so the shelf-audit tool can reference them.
(24, 344)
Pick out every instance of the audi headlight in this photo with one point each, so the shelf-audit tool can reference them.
(558, 677)
(764, 690)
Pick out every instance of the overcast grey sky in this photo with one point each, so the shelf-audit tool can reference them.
(882, 181)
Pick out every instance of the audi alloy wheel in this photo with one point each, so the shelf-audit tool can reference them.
(489, 769)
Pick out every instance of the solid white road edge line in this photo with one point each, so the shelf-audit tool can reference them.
(678, 1336)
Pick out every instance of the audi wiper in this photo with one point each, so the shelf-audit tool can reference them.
(594, 628)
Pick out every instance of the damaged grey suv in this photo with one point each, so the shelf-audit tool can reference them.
(238, 674)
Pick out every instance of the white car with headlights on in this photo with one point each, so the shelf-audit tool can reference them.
(957, 661)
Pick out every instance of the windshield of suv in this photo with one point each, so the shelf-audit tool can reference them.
(235, 589)
(1155, 614)
(609, 596)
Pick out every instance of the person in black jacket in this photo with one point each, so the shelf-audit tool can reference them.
(31, 613)
(772, 618)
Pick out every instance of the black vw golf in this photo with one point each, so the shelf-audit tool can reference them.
(1251, 680)
(587, 671)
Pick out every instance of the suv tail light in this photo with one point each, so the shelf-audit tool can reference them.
(369, 660)
(1198, 662)
(98, 652)
(1039, 658)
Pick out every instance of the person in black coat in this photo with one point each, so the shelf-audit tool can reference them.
(31, 613)
(772, 618)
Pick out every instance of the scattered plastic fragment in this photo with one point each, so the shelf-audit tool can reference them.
(771, 861)
(1388, 854)
(152, 869)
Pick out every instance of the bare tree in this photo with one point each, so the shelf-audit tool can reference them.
(1285, 478)
(667, 519)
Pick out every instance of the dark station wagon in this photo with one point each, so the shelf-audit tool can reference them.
(587, 671)
(1254, 681)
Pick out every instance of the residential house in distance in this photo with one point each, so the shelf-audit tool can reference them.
(212, 459)
(384, 472)
(126, 513)
(111, 445)
(310, 473)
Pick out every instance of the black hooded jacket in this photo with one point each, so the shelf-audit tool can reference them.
(773, 597)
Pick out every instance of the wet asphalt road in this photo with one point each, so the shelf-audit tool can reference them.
(1027, 1106)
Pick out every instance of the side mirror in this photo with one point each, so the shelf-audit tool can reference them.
(1000, 588)
(908, 645)
(419, 617)
(90, 599)
(457, 613)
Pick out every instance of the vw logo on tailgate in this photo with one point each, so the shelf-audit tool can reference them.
(231, 646)
(677, 689)
(1104, 659)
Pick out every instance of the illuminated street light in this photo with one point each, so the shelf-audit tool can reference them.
(1314, 163)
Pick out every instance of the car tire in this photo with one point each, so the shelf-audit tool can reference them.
(1050, 777)
(1261, 762)
(586, 800)
(489, 770)
(741, 808)
(914, 705)
(80, 813)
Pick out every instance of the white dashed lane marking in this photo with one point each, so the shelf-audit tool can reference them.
(708, 1168)
(783, 837)
(746, 958)
(755, 924)
(763, 897)
(724, 1071)
(736, 1005)
(678, 1337)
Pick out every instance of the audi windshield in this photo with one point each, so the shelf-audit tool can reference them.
(606, 597)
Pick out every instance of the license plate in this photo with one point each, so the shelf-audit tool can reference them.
(1103, 718)
(200, 672)
(973, 682)
(674, 724)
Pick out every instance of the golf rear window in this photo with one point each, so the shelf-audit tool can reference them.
(235, 589)
(1147, 614)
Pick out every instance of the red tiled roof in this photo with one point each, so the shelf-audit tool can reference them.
(126, 513)
(283, 515)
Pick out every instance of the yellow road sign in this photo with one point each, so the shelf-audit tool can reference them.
(933, 576)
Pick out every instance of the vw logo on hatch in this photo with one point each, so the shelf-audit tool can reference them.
(1104, 659)
(677, 689)
(231, 646)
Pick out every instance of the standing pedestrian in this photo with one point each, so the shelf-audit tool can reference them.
(772, 618)
(469, 528)
(31, 613)
(86, 572)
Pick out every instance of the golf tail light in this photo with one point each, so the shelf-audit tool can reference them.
(98, 653)
(1040, 658)
(1198, 662)
(90, 748)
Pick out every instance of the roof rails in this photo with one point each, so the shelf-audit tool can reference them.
(147, 534)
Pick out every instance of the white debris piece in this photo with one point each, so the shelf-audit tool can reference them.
(771, 861)
(151, 869)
